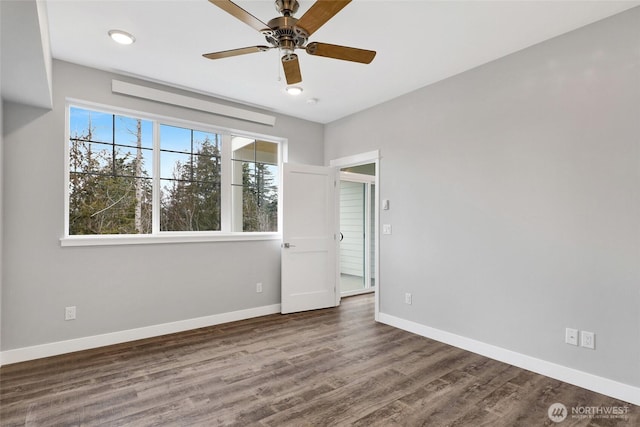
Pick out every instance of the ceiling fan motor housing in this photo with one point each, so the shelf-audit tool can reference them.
(285, 34)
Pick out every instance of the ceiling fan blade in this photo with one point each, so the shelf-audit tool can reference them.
(341, 52)
(319, 13)
(235, 10)
(236, 52)
(291, 68)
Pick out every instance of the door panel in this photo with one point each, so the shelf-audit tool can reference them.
(308, 231)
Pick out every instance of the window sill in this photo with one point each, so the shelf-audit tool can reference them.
(132, 239)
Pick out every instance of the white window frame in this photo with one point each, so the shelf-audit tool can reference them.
(162, 237)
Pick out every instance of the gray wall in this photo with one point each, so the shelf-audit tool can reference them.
(515, 204)
(115, 288)
(1, 211)
(1, 192)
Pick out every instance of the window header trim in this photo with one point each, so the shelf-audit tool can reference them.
(192, 103)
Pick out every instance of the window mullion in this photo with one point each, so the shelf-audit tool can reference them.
(225, 184)
(113, 144)
(156, 195)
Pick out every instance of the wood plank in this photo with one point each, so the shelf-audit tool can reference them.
(325, 367)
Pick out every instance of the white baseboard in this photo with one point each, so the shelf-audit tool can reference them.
(61, 347)
(582, 379)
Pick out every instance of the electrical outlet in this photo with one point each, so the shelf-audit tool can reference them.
(571, 336)
(588, 340)
(259, 287)
(407, 298)
(70, 313)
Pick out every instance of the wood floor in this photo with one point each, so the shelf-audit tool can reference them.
(333, 367)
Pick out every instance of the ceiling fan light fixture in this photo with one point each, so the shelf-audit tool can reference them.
(121, 37)
(294, 90)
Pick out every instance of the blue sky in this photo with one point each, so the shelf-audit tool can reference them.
(171, 137)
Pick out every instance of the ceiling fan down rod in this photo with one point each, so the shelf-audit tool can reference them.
(287, 7)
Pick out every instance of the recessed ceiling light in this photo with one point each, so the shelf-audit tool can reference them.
(121, 37)
(294, 90)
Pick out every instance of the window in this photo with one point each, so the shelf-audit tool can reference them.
(147, 176)
(255, 184)
(110, 163)
(189, 179)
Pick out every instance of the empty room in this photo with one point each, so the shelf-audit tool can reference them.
(319, 213)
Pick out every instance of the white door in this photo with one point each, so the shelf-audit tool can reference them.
(309, 272)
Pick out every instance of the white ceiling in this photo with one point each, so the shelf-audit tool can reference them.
(418, 42)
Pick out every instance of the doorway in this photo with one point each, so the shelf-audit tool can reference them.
(357, 229)
(303, 203)
(371, 157)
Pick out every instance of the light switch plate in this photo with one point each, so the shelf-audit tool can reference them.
(386, 228)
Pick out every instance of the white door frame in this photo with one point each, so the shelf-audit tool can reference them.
(356, 160)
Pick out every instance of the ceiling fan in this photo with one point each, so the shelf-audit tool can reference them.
(288, 34)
